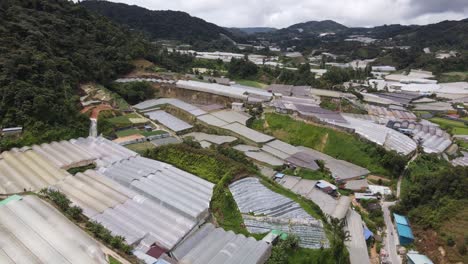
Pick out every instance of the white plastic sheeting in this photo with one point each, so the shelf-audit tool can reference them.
(212, 245)
(168, 120)
(434, 139)
(24, 169)
(182, 192)
(248, 133)
(106, 151)
(64, 154)
(230, 116)
(381, 135)
(273, 211)
(253, 197)
(236, 92)
(191, 109)
(32, 231)
(309, 232)
(124, 212)
(215, 139)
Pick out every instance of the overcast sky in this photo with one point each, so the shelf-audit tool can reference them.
(283, 13)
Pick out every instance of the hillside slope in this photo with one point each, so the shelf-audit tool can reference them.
(172, 25)
(46, 49)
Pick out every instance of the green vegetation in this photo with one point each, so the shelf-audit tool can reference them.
(306, 204)
(109, 122)
(63, 203)
(172, 25)
(133, 92)
(306, 256)
(142, 147)
(129, 132)
(340, 105)
(210, 165)
(47, 49)
(452, 126)
(373, 217)
(340, 145)
(75, 213)
(434, 191)
(112, 260)
(215, 167)
(309, 174)
(453, 77)
(242, 69)
(81, 169)
(222, 165)
(251, 83)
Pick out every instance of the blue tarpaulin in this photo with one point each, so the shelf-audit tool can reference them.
(367, 233)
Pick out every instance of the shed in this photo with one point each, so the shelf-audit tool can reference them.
(405, 234)
(303, 160)
(416, 258)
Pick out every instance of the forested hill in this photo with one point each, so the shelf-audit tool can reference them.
(172, 25)
(46, 49)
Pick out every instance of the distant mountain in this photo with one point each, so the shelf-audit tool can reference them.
(451, 34)
(172, 25)
(316, 27)
(253, 30)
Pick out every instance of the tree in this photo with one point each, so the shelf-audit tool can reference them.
(339, 236)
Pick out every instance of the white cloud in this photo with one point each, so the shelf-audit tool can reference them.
(283, 13)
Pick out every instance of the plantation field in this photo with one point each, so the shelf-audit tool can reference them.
(141, 148)
(452, 126)
(129, 132)
(251, 83)
(453, 77)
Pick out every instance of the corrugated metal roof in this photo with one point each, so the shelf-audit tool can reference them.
(215, 246)
(404, 231)
(399, 219)
(168, 120)
(32, 231)
(417, 258)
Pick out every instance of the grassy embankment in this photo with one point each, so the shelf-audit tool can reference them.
(251, 83)
(338, 144)
(452, 126)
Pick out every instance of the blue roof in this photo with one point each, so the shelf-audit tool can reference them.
(418, 258)
(367, 233)
(404, 231)
(399, 219)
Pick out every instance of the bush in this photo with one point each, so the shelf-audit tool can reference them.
(450, 242)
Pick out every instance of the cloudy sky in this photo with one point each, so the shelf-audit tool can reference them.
(283, 13)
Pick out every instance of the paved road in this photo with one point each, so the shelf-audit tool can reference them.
(93, 128)
(391, 239)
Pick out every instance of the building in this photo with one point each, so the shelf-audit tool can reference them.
(12, 131)
(405, 234)
(414, 257)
